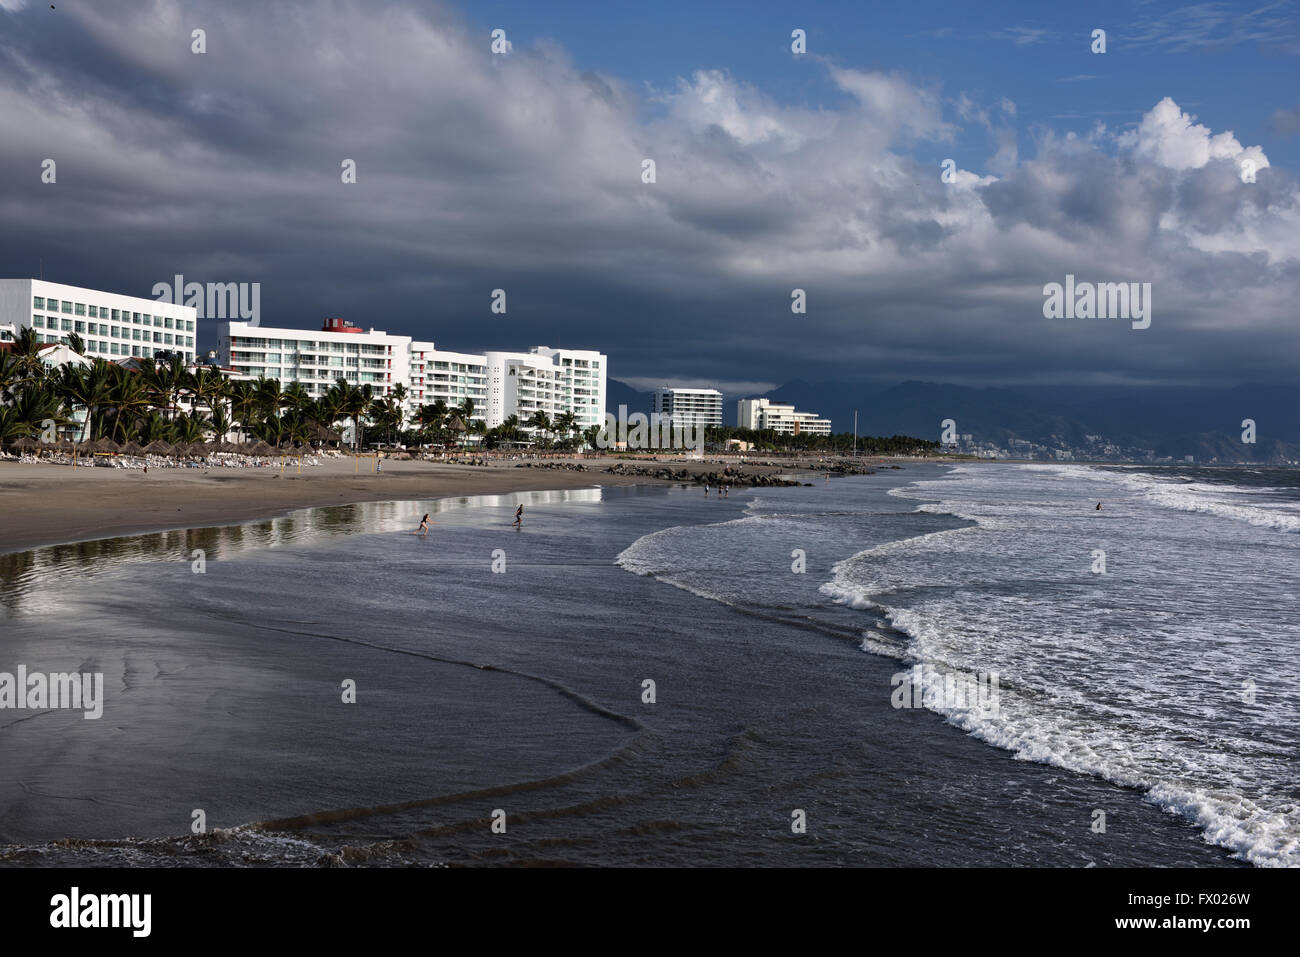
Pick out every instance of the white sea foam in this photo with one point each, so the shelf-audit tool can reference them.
(1134, 676)
(1121, 676)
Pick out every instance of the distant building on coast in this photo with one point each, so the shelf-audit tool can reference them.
(761, 414)
(113, 326)
(688, 408)
(500, 384)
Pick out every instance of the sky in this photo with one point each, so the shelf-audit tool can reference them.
(774, 170)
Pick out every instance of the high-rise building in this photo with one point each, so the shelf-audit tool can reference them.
(339, 350)
(689, 407)
(581, 380)
(762, 414)
(452, 377)
(112, 326)
(500, 384)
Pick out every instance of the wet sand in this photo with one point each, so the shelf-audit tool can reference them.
(55, 504)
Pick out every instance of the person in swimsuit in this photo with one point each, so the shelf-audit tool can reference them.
(1099, 506)
(424, 525)
(519, 516)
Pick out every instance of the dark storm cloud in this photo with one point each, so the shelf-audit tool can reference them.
(524, 172)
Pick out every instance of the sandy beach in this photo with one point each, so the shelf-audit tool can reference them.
(52, 504)
(45, 504)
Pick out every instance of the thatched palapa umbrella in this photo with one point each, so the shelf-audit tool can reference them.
(158, 447)
(104, 444)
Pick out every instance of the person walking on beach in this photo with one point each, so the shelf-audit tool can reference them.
(519, 516)
(1099, 506)
(424, 525)
(706, 489)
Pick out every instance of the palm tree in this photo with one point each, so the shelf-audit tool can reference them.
(243, 402)
(220, 423)
(565, 423)
(387, 415)
(12, 426)
(129, 402)
(155, 426)
(191, 428)
(466, 410)
(208, 389)
(296, 399)
(539, 421)
(509, 428)
(88, 387)
(270, 398)
(300, 431)
(11, 375)
(27, 352)
(353, 403)
(434, 417)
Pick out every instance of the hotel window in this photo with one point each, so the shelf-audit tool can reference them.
(38, 322)
(94, 313)
(135, 334)
(38, 302)
(157, 337)
(80, 327)
(157, 321)
(81, 308)
(135, 317)
(167, 338)
(117, 315)
(67, 307)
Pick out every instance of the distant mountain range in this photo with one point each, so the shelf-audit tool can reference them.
(1171, 421)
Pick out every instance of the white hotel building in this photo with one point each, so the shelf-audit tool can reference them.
(501, 384)
(114, 327)
(689, 407)
(760, 414)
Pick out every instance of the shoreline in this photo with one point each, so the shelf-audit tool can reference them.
(46, 504)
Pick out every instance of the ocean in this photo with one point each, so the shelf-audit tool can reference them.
(649, 676)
